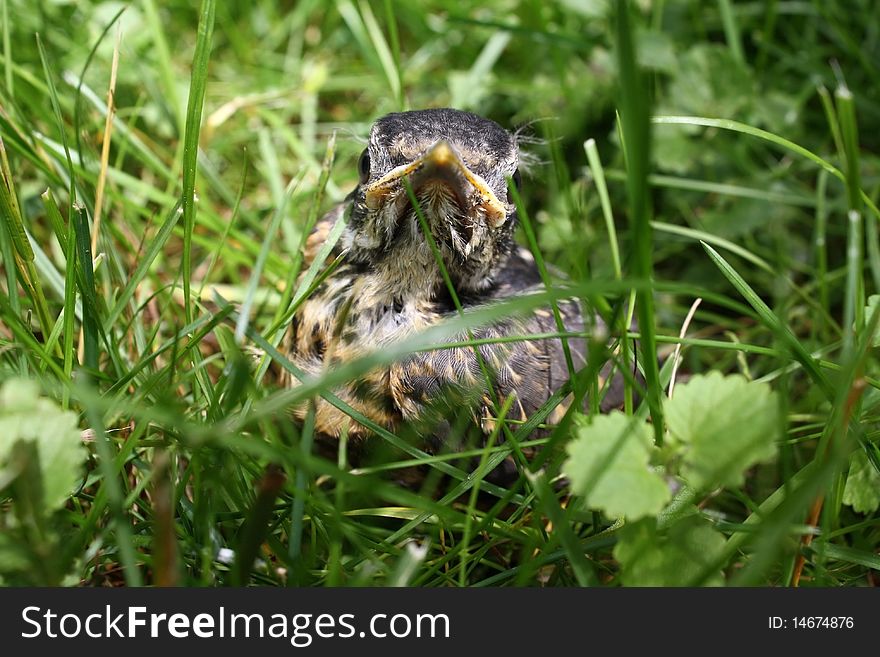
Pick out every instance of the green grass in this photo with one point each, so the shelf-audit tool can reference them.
(724, 151)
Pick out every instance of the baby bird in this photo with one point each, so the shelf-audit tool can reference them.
(389, 284)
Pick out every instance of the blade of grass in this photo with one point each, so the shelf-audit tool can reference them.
(853, 302)
(110, 483)
(408, 563)
(67, 237)
(821, 253)
(624, 319)
(23, 252)
(636, 126)
(731, 31)
(835, 433)
(291, 296)
(67, 76)
(56, 107)
(163, 57)
(598, 174)
(850, 555)
(144, 262)
(256, 273)
(736, 126)
(453, 293)
(469, 92)
(291, 299)
(395, 52)
(324, 392)
(833, 121)
(29, 343)
(772, 322)
(709, 238)
(475, 490)
(872, 238)
(311, 220)
(840, 436)
(390, 64)
(426, 340)
(6, 252)
(298, 509)
(270, 166)
(526, 223)
(7, 52)
(86, 277)
(257, 524)
(125, 134)
(725, 189)
(105, 144)
(236, 206)
(583, 568)
(767, 32)
(324, 252)
(194, 107)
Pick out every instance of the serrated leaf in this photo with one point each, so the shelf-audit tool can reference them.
(656, 51)
(676, 557)
(710, 82)
(25, 416)
(726, 424)
(608, 464)
(862, 490)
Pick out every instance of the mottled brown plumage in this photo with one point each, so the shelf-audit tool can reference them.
(389, 285)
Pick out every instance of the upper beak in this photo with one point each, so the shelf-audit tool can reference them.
(441, 164)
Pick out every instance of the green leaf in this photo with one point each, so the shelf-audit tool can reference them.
(710, 82)
(862, 491)
(672, 558)
(726, 423)
(608, 465)
(873, 301)
(656, 51)
(25, 416)
(13, 555)
(595, 9)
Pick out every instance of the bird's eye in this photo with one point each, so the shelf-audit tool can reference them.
(364, 166)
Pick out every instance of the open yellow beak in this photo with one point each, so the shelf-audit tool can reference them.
(441, 163)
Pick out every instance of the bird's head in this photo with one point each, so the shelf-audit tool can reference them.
(456, 165)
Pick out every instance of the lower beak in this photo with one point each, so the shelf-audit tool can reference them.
(442, 165)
